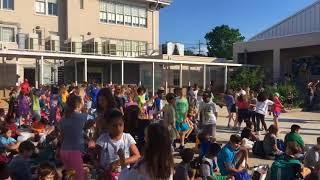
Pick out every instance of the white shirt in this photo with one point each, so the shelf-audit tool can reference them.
(207, 112)
(262, 107)
(110, 148)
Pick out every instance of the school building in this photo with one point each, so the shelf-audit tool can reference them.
(291, 46)
(63, 41)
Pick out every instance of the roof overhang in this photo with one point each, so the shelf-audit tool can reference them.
(68, 56)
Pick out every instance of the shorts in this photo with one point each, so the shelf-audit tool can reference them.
(209, 129)
(242, 115)
(232, 108)
(276, 114)
(182, 127)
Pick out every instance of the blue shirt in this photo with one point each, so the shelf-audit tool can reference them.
(229, 100)
(6, 140)
(226, 155)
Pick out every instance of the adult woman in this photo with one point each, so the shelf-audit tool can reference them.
(71, 133)
(157, 162)
(105, 102)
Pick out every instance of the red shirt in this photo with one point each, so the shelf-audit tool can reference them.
(13, 127)
(25, 87)
(242, 105)
(277, 106)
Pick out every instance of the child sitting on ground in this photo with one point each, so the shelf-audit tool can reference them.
(11, 124)
(248, 138)
(7, 141)
(19, 166)
(116, 150)
(182, 169)
(47, 171)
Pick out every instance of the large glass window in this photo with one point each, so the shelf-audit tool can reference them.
(52, 7)
(142, 48)
(7, 4)
(111, 8)
(7, 34)
(119, 13)
(119, 47)
(135, 48)
(40, 6)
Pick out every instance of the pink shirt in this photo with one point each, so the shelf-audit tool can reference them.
(277, 106)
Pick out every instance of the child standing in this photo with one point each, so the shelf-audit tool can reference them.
(116, 149)
(277, 107)
(23, 105)
(243, 106)
(208, 115)
(169, 116)
(262, 109)
(182, 108)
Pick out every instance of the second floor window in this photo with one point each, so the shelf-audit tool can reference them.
(7, 34)
(7, 4)
(52, 7)
(41, 6)
(48, 7)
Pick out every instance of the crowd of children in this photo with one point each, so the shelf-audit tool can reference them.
(122, 132)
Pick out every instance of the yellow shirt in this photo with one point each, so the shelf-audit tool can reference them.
(64, 96)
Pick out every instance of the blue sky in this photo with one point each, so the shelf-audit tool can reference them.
(187, 21)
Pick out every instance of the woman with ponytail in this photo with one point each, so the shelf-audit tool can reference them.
(71, 134)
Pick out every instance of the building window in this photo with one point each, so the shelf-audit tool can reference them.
(119, 47)
(142, 17)
(82, 38)
(127, 15)
(142, 48)
(135, 16)
(119, 13)
(127, 48)
(52, 7)
(81, 4)
(40, 6)
(111, 8)
(7, 34)
(103, 11)
(135, 48)
(7, 4)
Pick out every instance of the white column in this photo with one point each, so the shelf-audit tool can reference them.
(41, 70)
(140, 75)
(204, 77)
(166, 83)
(76, 72)
(110, 73)
(189, 75)
(181, 80)
(17, 70)
(37, 74)
(153, 90)
(209, 69)
(122, 72)
(85, 70)
(225, 84)
(54, 69)
(276, 64)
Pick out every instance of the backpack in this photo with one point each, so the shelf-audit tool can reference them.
(286, 169)
(257, 149)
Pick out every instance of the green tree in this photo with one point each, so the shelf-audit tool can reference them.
(246, 77)
(221, 39)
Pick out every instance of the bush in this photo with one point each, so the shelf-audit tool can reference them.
(246, 77)
(283, 89)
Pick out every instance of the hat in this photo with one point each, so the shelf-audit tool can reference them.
(277, 94)
(242, 92)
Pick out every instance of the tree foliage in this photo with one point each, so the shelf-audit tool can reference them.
(246, 77)
(221, 39)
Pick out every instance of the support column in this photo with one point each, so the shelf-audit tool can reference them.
(41, 70)
(276, 65)
(153, 89)
(17, 71)
(166, 83)
(225, 84)
(37, 74)
(181, 73)
(209, 69)
(122, 72)
(189, 75)
(140, 75)
(204, 77)
(85, 70)
(54, 70)
(111, 73)
(76, 72)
